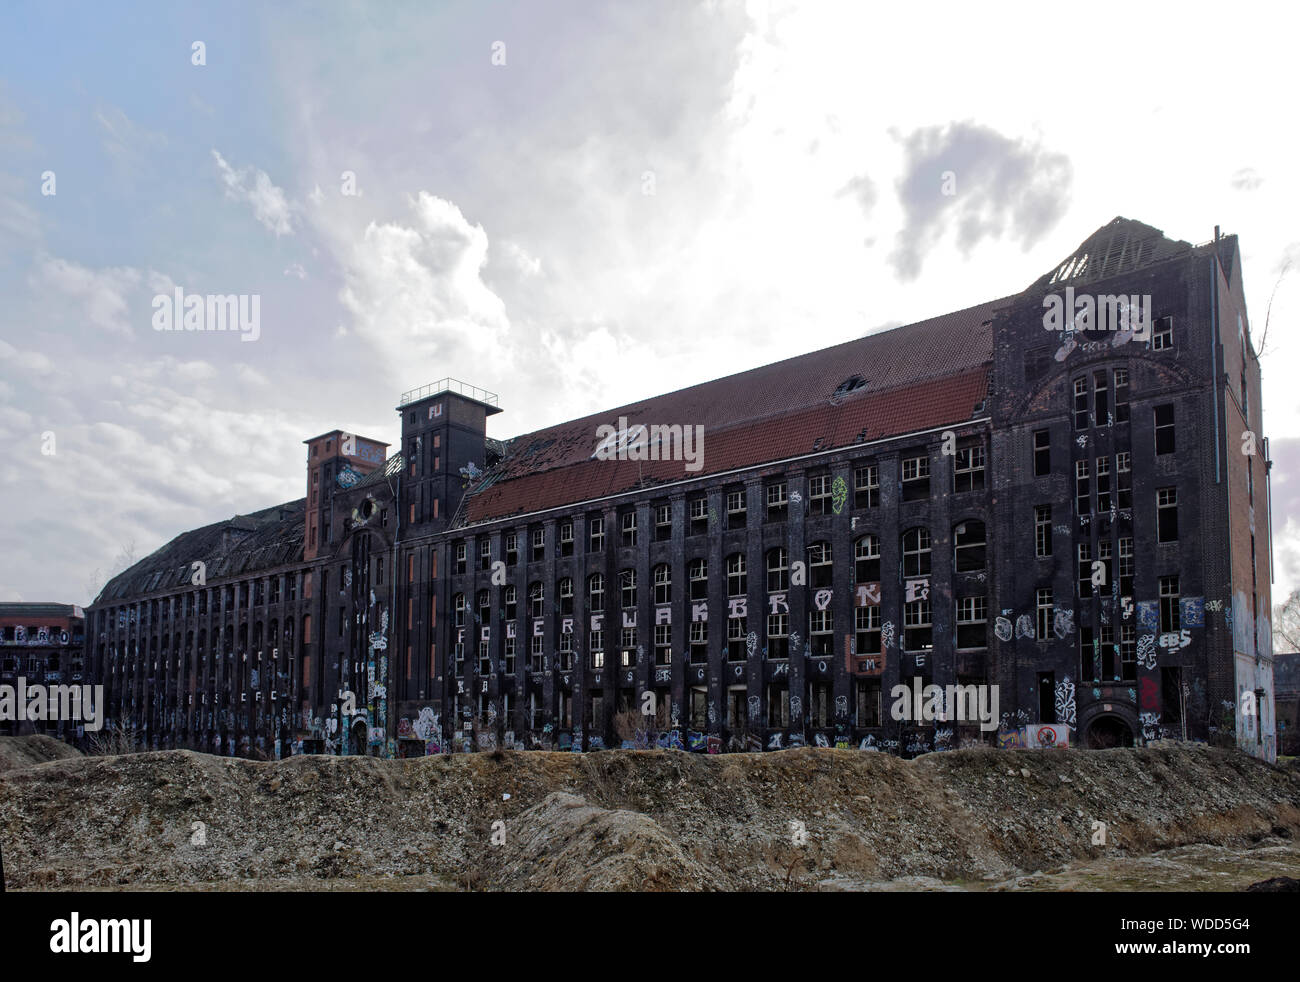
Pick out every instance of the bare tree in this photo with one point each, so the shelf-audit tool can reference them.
(1263, 341)
(125, 557)
(1286, 624)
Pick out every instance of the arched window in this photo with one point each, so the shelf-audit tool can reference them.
(866, 559)
(596, 592)
(778, 571)
(484, 607)
(627, 583)
(536, 599)
(564, 590)
(512, 602)
(737, 585)
(916, 552)
(458, 606)
(969, 550)
(663, 584)
(699, 575)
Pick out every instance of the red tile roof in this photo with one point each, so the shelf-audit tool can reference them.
(925, 375)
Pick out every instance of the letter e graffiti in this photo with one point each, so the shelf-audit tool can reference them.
(198, 573)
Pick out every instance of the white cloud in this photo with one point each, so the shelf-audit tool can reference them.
(270, 207)
(100, 293)
(415, 291)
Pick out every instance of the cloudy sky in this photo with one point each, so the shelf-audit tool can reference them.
(570, 204)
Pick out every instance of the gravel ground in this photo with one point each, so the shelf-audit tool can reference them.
(628, 820)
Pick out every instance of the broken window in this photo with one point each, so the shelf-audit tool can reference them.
(1164, 420)
(969, 547)
(1167, 515)
(866, 559)
(916, 552)
(866, 486)
(972, 622)
(916, 478)
(968, 468)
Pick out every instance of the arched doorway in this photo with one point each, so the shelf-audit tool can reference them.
(1108, 731)
(360, 743)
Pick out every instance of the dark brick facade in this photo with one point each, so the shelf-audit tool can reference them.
(419, 609)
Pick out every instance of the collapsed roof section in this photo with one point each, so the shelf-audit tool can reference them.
(243, 544)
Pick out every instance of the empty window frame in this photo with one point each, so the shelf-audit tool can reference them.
(916, 478)
(1042, 531)
(866, 559)
(918, 630)
(916, 552)
(1081, 403)
(663, 513)
(972, 622)
(1164, 427)
(1082, 489)
(1042, 453)
(778, 635)
(968, 468)
(819, 565)
(819, 494)
(866, 629)
(777, 504)
(736, 513)
(737, 581)
(866, 486)
(1043, 608)
(778, 571)
(969, 548)
(698, 573)
(1166, 514)
(1169, 616)
(1162, 334)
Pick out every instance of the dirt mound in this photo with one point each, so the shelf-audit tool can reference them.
(563, 843)
(619, 820)
(27, 751)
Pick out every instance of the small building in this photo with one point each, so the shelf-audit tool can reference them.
(43, 644)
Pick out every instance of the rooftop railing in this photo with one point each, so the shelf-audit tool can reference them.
(449, 385)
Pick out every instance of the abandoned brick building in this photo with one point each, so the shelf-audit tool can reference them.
(1080, 519)
(43, 644)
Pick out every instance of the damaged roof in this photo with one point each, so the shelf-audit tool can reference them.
(242, 544)
(927, 374)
